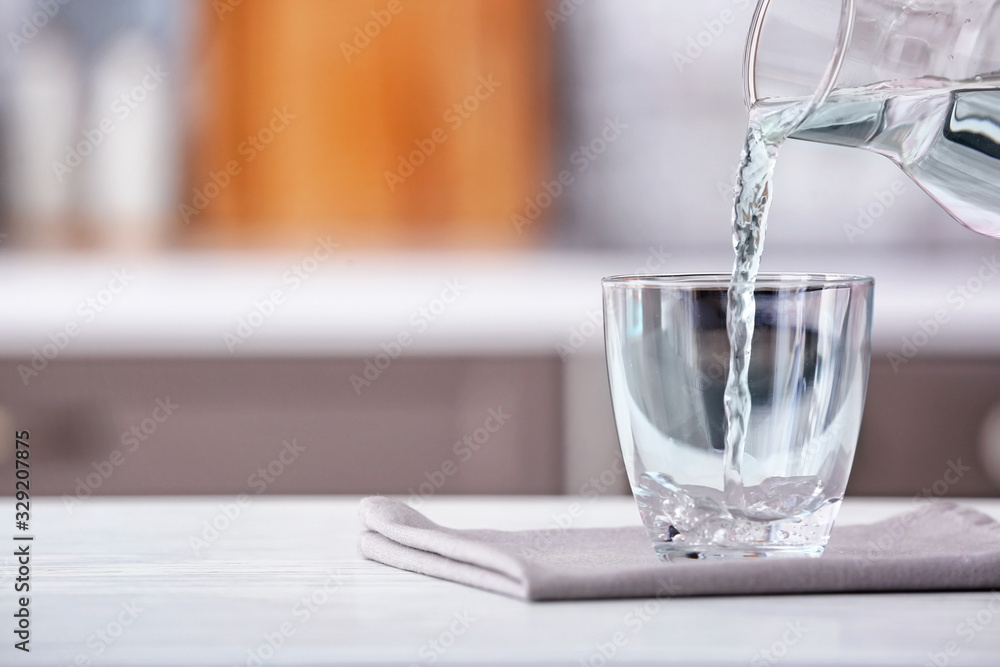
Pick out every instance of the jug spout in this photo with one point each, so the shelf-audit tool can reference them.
(916, 82)
(946, 139)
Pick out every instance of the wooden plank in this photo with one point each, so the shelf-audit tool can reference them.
(363, 102)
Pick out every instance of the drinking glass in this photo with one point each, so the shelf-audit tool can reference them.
(668, 359)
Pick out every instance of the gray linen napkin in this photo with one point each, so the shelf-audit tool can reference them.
(940, 546)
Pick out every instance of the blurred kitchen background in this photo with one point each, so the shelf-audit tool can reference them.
(354, 246)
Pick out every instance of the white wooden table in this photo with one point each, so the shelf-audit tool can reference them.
(117, 582)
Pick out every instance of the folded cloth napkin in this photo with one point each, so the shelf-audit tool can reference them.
(940, 546)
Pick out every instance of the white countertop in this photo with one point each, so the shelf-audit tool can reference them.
(184, 304)
(117, 582)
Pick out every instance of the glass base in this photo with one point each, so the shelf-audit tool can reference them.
(670, 552)
(694, 522)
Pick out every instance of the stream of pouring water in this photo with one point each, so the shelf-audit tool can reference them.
(752, 200)
(944, 134)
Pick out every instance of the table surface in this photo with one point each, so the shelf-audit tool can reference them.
(146, 581)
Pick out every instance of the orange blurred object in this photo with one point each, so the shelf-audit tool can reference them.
(378, 122)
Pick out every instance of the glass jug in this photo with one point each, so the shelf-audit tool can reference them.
(915, 80)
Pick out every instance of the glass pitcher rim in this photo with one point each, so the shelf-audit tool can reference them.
(829, 78)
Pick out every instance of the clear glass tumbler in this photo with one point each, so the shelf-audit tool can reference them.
(668, 360)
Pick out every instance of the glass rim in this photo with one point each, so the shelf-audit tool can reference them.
(720, 280)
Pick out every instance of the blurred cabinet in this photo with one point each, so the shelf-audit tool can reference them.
(922, 432)
(210, 426)
(479, 425)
